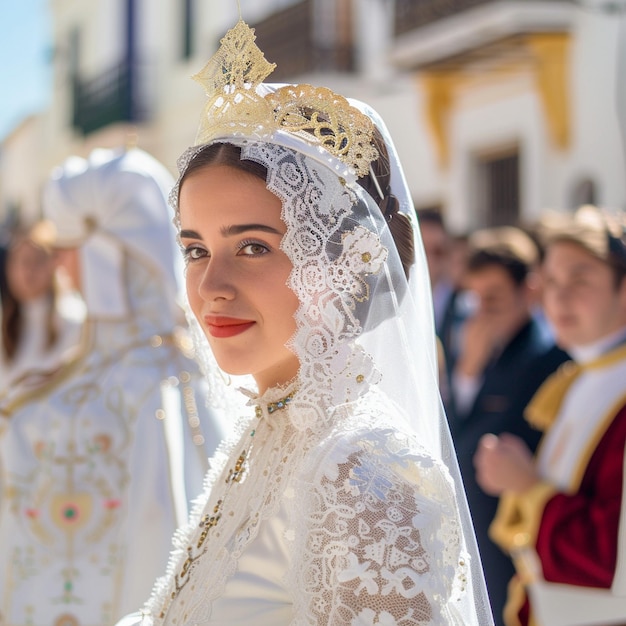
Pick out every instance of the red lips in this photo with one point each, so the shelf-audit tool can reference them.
(220, 326)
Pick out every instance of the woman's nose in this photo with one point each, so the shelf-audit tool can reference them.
(217, 281)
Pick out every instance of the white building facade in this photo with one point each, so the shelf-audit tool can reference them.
(500, 108)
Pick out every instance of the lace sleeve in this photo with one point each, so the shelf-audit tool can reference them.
(377, 537)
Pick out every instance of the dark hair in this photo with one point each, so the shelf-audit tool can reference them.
(11, 312)
(223, 154)
(398, 223)
(507, 247)
(10, 306)
(618, 267)
(482, 259)
(431, 216)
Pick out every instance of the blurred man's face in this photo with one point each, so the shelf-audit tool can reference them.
(580, 297)
(499, 299)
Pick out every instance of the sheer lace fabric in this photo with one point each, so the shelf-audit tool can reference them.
(368, 526)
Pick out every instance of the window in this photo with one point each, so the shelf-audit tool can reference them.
(584, 191)
(187, 23)
(498, 190)
(74, 49)
(308, 36)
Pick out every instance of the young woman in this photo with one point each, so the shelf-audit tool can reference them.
(339, 501)
(35, 335)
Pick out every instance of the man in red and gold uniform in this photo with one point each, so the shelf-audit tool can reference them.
(559, 512)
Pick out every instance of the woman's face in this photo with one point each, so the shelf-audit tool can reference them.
(236, 272)
(30, 271)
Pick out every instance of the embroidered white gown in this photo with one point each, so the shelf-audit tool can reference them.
(353, 524)
(90, 475)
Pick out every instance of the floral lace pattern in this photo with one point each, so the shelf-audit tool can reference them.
(377, 532)
(327, 279)
(373, 533)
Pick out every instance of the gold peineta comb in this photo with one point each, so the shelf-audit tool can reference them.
(232, 79)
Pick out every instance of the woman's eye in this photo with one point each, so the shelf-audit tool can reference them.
(193, 253)
(253, 248)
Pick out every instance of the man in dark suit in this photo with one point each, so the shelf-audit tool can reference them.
(505, 356)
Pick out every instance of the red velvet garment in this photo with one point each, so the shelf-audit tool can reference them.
(577, 540)
(578, 533)
(524, 614)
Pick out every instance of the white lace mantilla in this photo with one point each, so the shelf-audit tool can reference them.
(331, 269)
(367, 529)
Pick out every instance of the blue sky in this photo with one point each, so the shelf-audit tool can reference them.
(25, 76)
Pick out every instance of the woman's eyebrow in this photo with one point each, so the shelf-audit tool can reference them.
(238, 229)
(233, 229)
(189, 234)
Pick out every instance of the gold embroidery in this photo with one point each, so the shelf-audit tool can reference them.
(66, 619)
(209, 521)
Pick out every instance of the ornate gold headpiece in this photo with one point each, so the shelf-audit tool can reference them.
(315, 114)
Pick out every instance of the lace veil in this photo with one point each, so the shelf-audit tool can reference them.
(362, 326)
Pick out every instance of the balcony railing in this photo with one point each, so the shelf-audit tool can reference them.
(288, 39)
(112, 96)
(413, 14)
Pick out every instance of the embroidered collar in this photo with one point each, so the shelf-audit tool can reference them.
(273, 401)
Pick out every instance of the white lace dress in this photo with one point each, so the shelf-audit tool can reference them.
(352, 525)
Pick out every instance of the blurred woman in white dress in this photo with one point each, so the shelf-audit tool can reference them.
(100, 457)
(36, 331)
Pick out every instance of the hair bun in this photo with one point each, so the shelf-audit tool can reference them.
(389, 205)
(401, 230)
